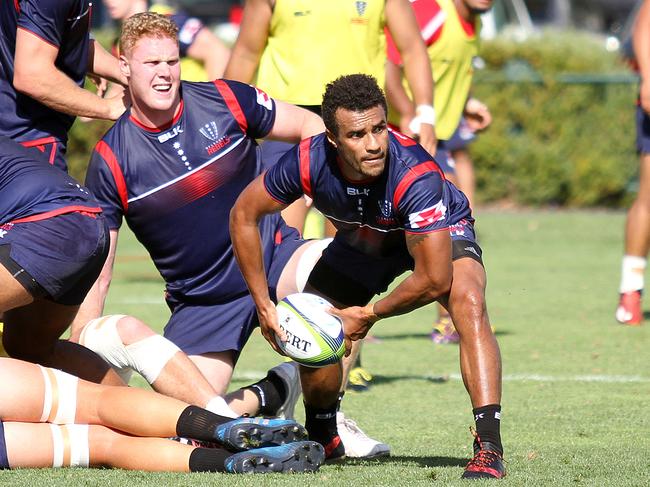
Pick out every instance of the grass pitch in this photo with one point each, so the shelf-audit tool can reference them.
(576, 384)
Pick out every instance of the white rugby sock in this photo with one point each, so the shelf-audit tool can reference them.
(632, 273)
(218, 405)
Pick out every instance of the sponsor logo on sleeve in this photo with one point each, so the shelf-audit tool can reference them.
(264, 99)
(428, 216)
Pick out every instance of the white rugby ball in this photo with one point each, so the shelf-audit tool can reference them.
(314, 337)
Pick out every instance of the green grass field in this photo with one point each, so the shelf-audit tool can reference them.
(576, 385)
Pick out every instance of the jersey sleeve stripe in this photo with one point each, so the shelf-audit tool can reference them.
(107, 154)
(305, 159)
(233, 104)
(414, 173)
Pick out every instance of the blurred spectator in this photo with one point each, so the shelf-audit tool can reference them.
(637, 228)
(451, 31)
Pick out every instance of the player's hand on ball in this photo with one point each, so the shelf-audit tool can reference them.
(357, 321)
(270, 327)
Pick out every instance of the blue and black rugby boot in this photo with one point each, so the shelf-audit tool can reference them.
(247, 433)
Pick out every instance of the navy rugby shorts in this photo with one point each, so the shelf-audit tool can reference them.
(337, 273)
(642, 131)
(58, 258)
(225, 326)
(4, 461)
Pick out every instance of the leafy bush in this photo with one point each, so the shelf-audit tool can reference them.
(563, 130)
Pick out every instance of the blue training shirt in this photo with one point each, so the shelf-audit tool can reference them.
(64, 24)
(175, 185)
(31, 190)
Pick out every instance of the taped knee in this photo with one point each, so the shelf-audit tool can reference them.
(70, 445)
(149, 356)
(101, 336)
(60, 396)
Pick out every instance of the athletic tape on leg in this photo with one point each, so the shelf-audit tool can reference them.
(149, 356)
(308, 260)
(60, 397)
(70, 445)
(101, 336)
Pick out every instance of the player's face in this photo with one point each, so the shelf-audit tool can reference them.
(361, 142)
(119, 9)
(478, 6)
(153, 69)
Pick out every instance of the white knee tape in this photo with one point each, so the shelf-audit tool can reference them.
(101, 336)
(308, 260)
(60, 398)
(70, 445)
(149, 356)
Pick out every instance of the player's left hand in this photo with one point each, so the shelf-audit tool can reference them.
(477, 114)
(357, 321)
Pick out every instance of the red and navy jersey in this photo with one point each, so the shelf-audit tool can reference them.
(175, 185)
(64, 24)
(412, 194)
(31, 190)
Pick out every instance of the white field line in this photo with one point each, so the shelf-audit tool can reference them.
(608, 379)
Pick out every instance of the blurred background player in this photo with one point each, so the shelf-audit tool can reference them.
(203, 55)
(451, 32)
(405, 217)
(49, 418)
(45, 51)
(637, 227)
(292, 49)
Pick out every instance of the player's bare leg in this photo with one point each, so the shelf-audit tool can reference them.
(31, 332)
(637, 242)
(480, 364)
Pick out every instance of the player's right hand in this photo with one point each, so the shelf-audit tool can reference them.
(270, 327)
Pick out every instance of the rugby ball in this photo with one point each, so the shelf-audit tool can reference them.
(314, 337)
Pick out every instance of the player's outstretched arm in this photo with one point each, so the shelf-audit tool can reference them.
(417, 67)
(430, 279)
(250, 207)
(36, 75)
(292, 123)
(250, 43)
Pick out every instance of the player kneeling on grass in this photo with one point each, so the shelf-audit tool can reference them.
(394, 211)
(49, 418)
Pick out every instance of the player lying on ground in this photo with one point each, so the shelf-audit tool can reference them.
(49, 418)
(394, 211)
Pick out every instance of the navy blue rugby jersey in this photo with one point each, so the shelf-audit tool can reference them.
(412, 194)
(175, 185)
(31, 190)
(61, 23)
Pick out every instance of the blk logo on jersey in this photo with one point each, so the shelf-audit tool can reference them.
(428, 216)
(361, 7)
(170, 135)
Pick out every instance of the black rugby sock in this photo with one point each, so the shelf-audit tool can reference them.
(271, 393)
(208, 459)
(199, 424)
(488, 424)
